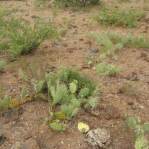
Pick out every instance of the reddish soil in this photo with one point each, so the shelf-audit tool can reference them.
(27, 123)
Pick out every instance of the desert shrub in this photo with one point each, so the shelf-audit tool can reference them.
(74, 3)
(140, 130)
(119, 17)
(18, 37)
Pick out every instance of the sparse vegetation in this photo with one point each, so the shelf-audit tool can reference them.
(129, 40)
(111, 42)
(139, 131)
(107, 69)
(120, 17)
(57, 126)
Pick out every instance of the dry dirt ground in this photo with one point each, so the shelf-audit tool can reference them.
(25, 125)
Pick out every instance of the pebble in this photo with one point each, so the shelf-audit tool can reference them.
(99, 138)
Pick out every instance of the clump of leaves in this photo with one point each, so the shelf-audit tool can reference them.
(111, 42)
(18, 37)
(120, 17)
(139, 130)
(107, 69)
(75, 3)
(2, 65)
(129, 40)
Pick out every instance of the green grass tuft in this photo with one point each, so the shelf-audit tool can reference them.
(120, 17)
(111, 42)
(18, 37)
(107, 69)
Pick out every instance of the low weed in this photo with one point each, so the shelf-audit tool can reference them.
(139, 130)
(18, 37)
(107, 69)
(119, 17)
(112, 42)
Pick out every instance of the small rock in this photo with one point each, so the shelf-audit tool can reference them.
(2, 138)
(99, 138)
(71, 50)
(94, 50)
(65, 44)
(145, 56)
(84, 66)
(130, 103)
(34, 16)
